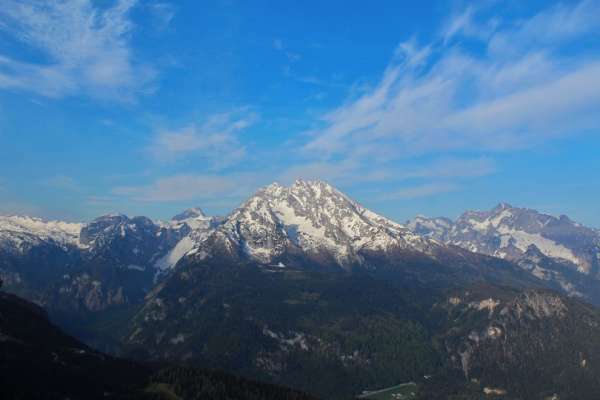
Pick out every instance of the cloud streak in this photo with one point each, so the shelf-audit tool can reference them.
(445, 97)
(483, 85)
(80, 48)
(215, 141)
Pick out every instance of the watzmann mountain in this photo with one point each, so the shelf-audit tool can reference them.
(302, 286)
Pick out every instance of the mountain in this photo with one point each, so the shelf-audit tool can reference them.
(310, 218)
(193, 226)
(40, 361)
(312, 225)
(332, 334)
(79, 272)
(302, 286)
(31, 248)
(531, 344)
(20, 234)
(554, 249)
(190, 214)
(338, 334)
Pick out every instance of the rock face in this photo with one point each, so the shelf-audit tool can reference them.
(550, 248)
(522, 340)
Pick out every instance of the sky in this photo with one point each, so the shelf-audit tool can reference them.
(409, 107)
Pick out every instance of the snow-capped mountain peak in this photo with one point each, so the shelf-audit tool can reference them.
(508, 232)
(23, 232)
(308, 216)
(192, 227)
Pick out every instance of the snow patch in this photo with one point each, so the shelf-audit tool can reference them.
(522, 240)
(169, 260)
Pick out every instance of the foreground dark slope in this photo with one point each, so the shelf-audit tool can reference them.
(38, 361)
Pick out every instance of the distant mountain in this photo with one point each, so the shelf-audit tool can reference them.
(190, 214)
(550, 248)
(21, 233)
(110, 262)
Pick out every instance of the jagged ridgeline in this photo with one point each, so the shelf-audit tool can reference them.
(302, 286)
(552, 249)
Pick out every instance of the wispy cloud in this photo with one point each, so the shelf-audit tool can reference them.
(215, 141)
(482, 86)
(83, 49)
(444, 97)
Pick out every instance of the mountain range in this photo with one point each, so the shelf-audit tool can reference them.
(554, 249)
(302, 286)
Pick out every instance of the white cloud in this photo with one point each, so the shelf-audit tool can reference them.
(443, 97)
(81, 48)
(215, 141)
(551, 27)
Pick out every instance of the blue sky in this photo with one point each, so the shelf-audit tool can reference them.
(150, 107)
